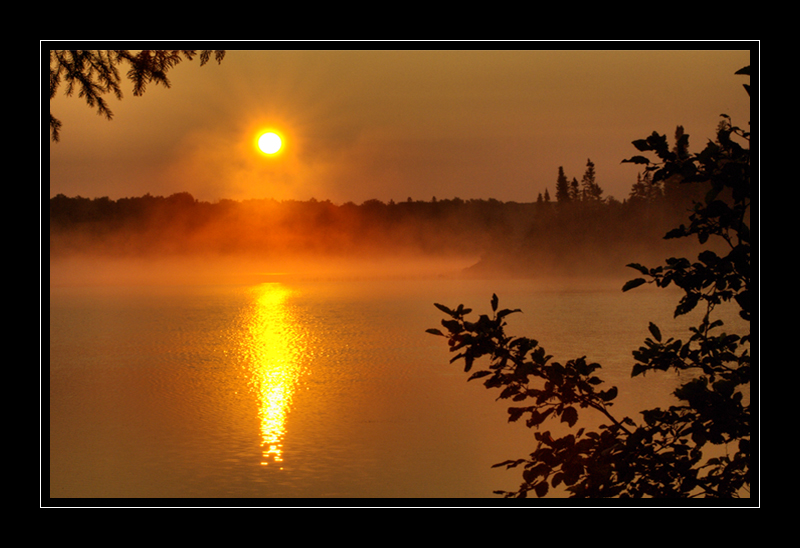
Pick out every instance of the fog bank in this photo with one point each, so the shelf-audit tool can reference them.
(178, 239)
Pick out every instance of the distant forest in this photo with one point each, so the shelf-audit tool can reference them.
(578, 232)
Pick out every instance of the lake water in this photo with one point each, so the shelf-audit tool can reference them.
(310, 389)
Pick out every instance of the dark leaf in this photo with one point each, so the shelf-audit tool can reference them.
(708, 257)
(514, 413)
(743, 300)
(683, 141)
(631, 284)
(640, 268)
(468, 359)
(636, 160)
(494, 302)
(655, 331)
(479, 374)
(687, 304)
(570, 416)
(658, 143)
(443, 308)
(541, 469)
(744, 445)
(433, 331)
(508, 464)
(506, 312)
(608, 395)
(508, 391)
(541, 489)
(698, 437)
(679, 232)
(538, 418)
(452, 325)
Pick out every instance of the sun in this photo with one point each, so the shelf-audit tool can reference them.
(269, 143)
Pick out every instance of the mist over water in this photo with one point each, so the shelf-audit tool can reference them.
(217, 270)
(183, 239)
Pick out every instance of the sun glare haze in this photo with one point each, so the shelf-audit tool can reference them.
(387, 125)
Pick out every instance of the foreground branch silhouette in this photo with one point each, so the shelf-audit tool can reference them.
(95, 73)
(665, 453)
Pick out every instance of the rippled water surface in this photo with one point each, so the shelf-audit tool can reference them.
(298, 390)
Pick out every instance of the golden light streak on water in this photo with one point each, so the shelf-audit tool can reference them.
(274, 356)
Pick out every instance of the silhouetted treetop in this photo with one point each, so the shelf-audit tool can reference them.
(95, 73)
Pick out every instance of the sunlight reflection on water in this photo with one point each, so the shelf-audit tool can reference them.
(273, 347)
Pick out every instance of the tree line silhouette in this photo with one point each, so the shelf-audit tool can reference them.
(577, 229)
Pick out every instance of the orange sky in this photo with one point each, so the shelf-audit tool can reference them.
(393, 124)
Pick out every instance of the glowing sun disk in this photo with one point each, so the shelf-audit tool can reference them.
(269, 143)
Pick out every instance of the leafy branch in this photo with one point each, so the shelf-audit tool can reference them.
(662, 455)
